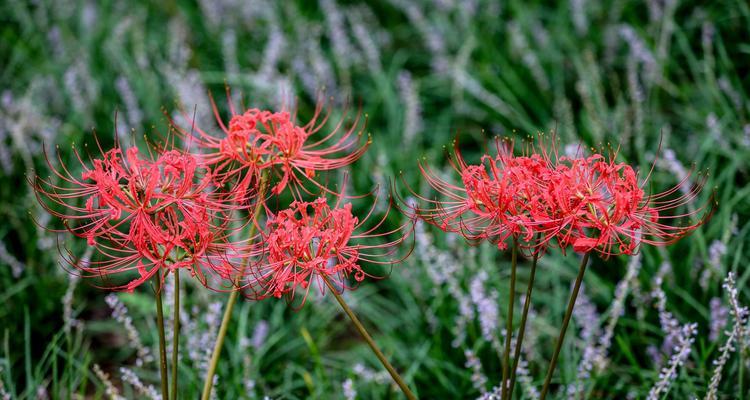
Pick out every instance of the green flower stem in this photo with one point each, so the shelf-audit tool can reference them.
(209, 382)
(522, 329)
(741, 361)
(564, 328)
(162, 340)
(176, 332)
(379, 354)
(509, 321)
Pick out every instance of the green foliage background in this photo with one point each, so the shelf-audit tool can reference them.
(637, 75)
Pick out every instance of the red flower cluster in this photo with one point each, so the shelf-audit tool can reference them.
(177, 210)
(589, 203)
(144, 215)
(315, 241)
(495, 199)
(257, 141)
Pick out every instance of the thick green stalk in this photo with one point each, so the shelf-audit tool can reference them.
(522, 329)
(564, 328)
(162, 339)
(509, 321)
(176, 333)
(362, 331)
(209, 382)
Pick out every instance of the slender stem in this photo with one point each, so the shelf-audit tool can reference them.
(742, 373)
(162, 340)
(564, 328)
(209, 382)
(217, 347)
(176, 334)
(509, 320)
(69, 364)
(396, 377)
(522, 329)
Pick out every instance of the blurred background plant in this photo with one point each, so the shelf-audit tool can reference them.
(638, 75)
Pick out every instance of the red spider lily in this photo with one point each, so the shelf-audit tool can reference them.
(598, 205)
(312, 240)
(495, 199)
(144, 215)
(590, 203)
(258, 140)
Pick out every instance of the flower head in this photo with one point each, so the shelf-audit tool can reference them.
(597, 204)
(257, 140)
(143, 215)
(495, 199)
(313, 241)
